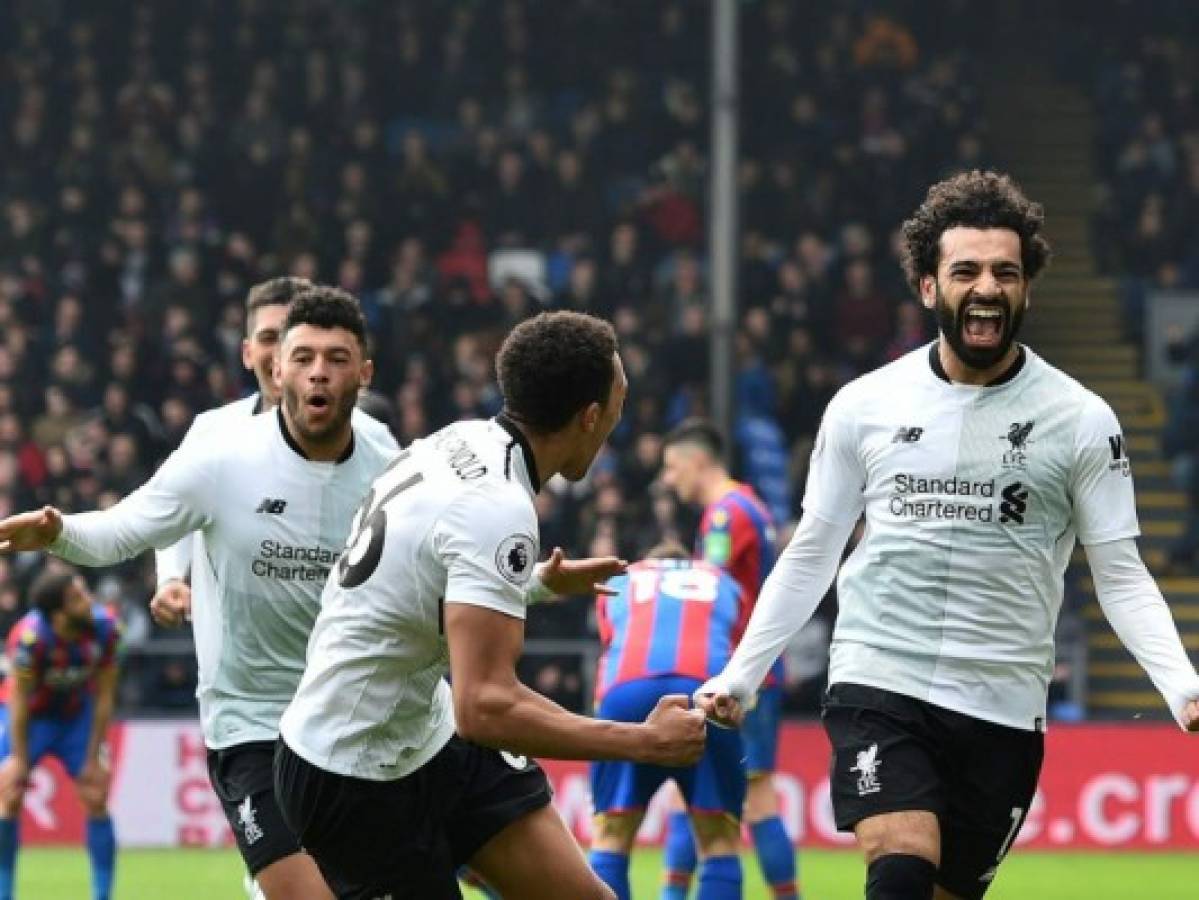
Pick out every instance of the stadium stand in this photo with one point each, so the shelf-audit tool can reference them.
(457, 166)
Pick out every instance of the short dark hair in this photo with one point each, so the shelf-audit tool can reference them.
(274, 292)
(327, 307)
(700, 433)
(972, 200)
(668, 549)
(553, 366)
(49, 590)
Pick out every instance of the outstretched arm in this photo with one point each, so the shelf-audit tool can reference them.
(800, 579)
(1134, 605)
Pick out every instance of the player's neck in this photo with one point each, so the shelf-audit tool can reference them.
(336, 449)
(958, 372)
(715, 487)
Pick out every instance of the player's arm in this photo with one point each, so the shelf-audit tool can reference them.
(105, 703)
(1138, 613)
(14, 775)
(493, 708)
(171, 504)
(801, 577)
(1105, 517)
(487, 546)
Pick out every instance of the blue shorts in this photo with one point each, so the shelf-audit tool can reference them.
(65, 738)
(716, 784)
(760, 732)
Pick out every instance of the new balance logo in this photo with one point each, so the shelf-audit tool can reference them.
(1119, 461)
(274, 507)
(907, 435)
(247, 818)
(867, 768)
(1014, 503)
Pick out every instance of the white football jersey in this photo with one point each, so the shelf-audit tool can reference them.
(451, 521)
(175, 561)
(271, 525)
(973, 498)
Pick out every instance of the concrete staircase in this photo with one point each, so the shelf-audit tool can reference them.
(1041, 132)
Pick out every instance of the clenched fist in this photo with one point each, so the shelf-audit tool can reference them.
(171, 606)
(674, 733)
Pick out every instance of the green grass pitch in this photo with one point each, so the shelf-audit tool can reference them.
(45, 874)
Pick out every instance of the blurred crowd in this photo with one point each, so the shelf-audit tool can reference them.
(458, 166)
(1143, 71)
(1144, 83)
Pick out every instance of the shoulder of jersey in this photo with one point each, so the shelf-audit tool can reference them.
(1064, 382)
(373, 431)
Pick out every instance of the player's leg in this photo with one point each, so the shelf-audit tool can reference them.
(621, 791)
(715, 793)
(776, 853)
(13, 797)
(535, 857)
(92, 785)
(990, 791)
(887, 786)
(242, 779)
(679, 857)
(373, 838)
(42, 734)
(612, 837)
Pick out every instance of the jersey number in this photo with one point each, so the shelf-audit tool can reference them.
(365, 547)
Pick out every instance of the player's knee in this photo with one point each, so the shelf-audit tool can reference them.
(717, 835)
(614, 831)
(900, 876)
(760, 801)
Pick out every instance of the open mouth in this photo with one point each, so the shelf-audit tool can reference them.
(318, 403)
(983, 325)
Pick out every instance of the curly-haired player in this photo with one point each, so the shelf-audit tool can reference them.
(976, 465)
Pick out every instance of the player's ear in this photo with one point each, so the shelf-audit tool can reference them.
(366, 373)
(928, 291)
(247, 359)
(590, 417)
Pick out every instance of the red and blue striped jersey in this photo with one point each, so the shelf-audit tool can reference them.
(668, 617)
(737, 534)
(63, 670)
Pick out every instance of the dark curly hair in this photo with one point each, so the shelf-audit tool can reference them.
(553, 366)
(972, 200)
(327, 307)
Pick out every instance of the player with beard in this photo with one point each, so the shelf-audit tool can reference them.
(58, 701)
(266, 311)
(272, 498)
(977, 466)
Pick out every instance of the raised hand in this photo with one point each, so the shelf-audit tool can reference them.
(34, 530)
(675, 733)
(580, 576)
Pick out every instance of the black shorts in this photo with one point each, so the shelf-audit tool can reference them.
(242, 778)
(893, 753)
(406, 838)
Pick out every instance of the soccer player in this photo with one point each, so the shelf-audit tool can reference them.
(58, 700)
(670, 625)
(272, 498)
(389, 776)
(266, 311)
(977, 465)
(736, 533)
